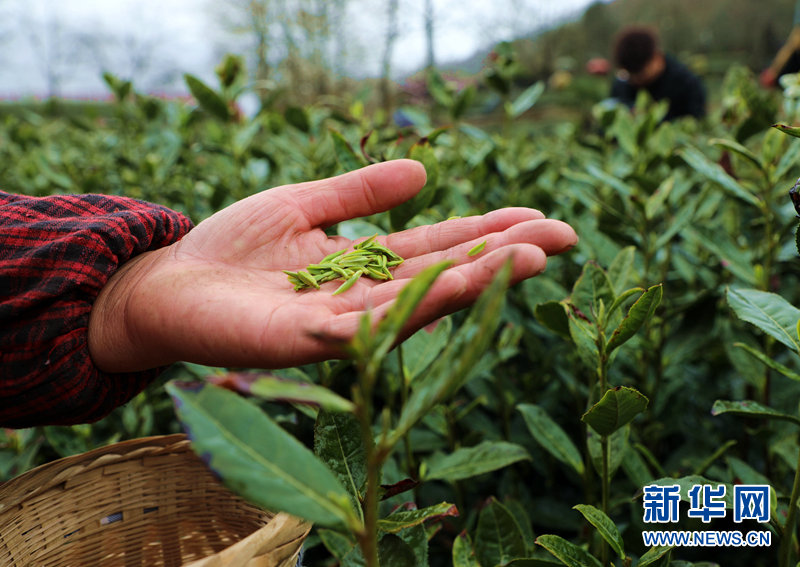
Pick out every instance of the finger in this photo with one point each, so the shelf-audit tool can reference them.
(551, 236)
(440, 236)
(359, 193)
(454, 289)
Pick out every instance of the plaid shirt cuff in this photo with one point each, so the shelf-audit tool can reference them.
(56, 254)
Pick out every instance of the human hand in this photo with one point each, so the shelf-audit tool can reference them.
(768, 78)
(219, 295)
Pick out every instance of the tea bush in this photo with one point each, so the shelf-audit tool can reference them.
(660, 351)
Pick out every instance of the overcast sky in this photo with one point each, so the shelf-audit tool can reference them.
(156, 41)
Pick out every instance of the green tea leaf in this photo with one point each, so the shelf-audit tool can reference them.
(551, 436)
(590, 288)
(769, 312)
(745, 364)
(338, 444)
(347, 157)
(355, 558)
(394, 552)
(498, 538)
(655, 203)
(275, 388)
(569, 553)
(404, 212)
(119, 87)
(636, 468)
(417, 538)
(388, 330)
(258, 459)
(745, 473)
(786, 129)
(789, 158)
(651, 459)
(518, 510)
(422, 348)
(616, 408)
(712, 458)
(622, 188)
(462, 101)
(679, 222)
(605, 527)
(653, 554)
(737, 260)
(467, 462)
(526, 100)
(797, 241)
(337, 543)
(620, 271)
(402, 519)
(477, 249)
(770, 362)
(584, 334)
(458, 361)
(750, 408)
(207, 98)
(623, 129)
(244, 138)
(584, 186)
(438, 88)
(298, 117)
(739, 149)
(463, 554)
(553, 315)
(618, 448)
(541, 289)
(622, 298)
(639, 313)
(714, 173)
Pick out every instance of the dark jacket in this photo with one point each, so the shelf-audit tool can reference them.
(683, 89)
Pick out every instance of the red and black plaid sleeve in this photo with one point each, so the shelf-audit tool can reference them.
(56, 254)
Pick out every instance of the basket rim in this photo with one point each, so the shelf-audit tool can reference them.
(30, 483)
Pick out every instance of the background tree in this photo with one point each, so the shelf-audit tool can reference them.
(388, 50)
(133, 52)
(289, 41)
(54, 46)
(430, 59)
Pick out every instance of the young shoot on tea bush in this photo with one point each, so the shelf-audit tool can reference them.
(368, 258)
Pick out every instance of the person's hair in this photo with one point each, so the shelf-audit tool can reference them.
(634, 47)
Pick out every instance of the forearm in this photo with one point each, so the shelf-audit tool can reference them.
(56, 255)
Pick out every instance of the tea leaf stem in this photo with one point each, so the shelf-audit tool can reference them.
(605, 481)
(785, 552)
(411, 465)
(368, 537)
(604, 492)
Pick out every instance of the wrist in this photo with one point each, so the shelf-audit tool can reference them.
(118, 341)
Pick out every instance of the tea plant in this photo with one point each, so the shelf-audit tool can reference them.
(510, 416)
(339, 488)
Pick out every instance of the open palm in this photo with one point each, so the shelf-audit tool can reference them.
(219, 296)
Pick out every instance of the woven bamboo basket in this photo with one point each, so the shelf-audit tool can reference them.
(145, 502)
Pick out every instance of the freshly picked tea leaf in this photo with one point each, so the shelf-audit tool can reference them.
(368, 258)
